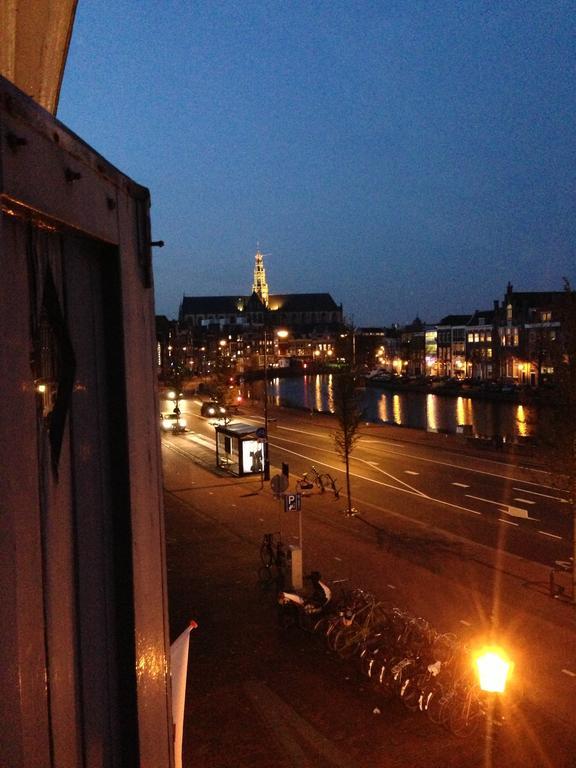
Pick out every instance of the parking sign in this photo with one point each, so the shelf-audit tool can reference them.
(292, 502)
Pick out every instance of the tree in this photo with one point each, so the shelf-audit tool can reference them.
(348, 415)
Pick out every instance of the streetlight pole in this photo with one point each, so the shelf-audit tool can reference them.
(266, 463)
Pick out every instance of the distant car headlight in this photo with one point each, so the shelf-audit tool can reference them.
(166, 423)
(182, 423)
(211, 411)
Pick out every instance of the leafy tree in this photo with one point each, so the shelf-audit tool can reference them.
(348, 415)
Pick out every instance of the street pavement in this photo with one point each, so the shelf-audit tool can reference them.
(261, 697)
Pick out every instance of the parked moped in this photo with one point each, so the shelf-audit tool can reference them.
(304, 610)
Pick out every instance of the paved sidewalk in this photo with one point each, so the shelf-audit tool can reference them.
(261, 698)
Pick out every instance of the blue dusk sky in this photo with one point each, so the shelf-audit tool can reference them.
(407, 157)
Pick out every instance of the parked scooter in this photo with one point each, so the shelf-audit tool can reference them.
(304, 610)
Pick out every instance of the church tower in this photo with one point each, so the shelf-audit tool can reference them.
(260, 286)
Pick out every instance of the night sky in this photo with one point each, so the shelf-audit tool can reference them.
(409, 158)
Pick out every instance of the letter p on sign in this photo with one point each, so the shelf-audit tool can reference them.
(292, 502)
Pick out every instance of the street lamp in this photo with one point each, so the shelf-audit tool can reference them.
(493, 667)
(282, 334)
(266, 463)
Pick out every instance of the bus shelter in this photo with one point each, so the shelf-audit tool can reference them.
(240, 449)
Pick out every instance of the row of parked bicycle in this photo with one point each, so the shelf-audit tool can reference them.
(402, 655)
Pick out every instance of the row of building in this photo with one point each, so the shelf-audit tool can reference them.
(520, 339)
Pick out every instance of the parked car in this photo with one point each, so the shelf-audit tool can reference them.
(172, 422)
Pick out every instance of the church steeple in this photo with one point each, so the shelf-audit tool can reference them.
(260, 286)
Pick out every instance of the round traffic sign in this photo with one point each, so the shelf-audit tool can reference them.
(279, 483)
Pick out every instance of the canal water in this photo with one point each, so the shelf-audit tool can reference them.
(434, 413)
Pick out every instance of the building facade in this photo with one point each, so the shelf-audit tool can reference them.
(238, 332)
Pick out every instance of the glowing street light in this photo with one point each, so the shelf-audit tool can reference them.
(493, 668)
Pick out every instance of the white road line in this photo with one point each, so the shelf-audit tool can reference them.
(525, 501)
(544, 495)
(203, 441)
(488, 501)
(416, 457)
(366, 441)
(390, 586)
(461, 485)
(410, 472)
(506, 509)
(338, 558)
(569, 672)
(552, 535)
(466, 623)
(509, 522)
(406, 489)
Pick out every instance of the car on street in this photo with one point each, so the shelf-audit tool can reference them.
(172, 422)
(214, 409)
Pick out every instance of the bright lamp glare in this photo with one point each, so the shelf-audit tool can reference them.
(493, 669)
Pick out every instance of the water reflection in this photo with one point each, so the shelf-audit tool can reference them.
(397, 409)
(431, 413)
(420, 411)
(521, 421)
(464, 410)
(383, 410)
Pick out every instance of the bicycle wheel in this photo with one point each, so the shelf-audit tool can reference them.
(345, 642)
(412, 693)
(465, 715)
(322, 626)
(433, 703)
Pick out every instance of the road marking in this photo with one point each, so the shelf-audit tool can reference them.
(373, 463)
(569, 672)
(390, 586)
(416, 457)
(203, 441)
(506, 509)
(410, 472)
(466, 623)
(338, 558)
(509, 522)
(552, 535)
(407, 489)
(379, 442)
(544, 495)
(525, 501)
(461, 485)
(516, 512)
